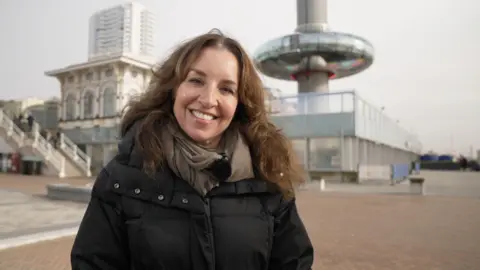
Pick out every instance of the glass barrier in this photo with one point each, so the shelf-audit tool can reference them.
(311, 42)
(312, 103)
(93, 135)
(372, 123)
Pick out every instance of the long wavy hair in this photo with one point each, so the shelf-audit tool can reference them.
(272, 153)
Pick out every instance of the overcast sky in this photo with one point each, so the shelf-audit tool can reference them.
(425, 72)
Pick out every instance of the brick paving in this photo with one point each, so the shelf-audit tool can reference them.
(350, 232)
(47, 255)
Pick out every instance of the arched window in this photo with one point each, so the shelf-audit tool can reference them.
(70, 106)
(88, 105)
(109, 102)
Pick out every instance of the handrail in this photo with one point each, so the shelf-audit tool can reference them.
(46, 148)
(50, 153)
(72, 150)
(80, 157)
(13, 131)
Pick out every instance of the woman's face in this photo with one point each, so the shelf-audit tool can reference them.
(206, 101)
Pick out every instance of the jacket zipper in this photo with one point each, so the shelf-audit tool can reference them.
(210, 230)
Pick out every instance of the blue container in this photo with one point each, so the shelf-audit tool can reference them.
(445, 158)
(429, 157)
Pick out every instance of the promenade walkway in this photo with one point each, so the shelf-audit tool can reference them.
(350, 230)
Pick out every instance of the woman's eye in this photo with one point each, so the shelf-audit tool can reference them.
(227, 90)
(195, 81)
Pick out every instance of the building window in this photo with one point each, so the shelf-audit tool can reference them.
(71, 79)
(109, 101)
(70, 106)
(134, 73)
(89, 76)
(109, 72)
(88, 105)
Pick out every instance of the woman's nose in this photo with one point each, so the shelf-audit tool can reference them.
(208, 98)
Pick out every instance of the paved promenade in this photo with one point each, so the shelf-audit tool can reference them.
(350, 229)
(22, 214)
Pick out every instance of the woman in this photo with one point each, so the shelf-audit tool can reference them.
(202, 179)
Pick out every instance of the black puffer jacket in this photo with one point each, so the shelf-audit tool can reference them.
(136, 222)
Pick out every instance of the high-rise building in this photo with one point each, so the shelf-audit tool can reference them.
(126, 29)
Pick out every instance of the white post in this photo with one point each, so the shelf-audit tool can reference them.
(89, 163)
(22, 139)
(75, 155)
(61, 173)
(62, 141)
(322, 184)
(10, 128)
(35, 139)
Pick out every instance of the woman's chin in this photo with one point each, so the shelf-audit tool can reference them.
(201, 138)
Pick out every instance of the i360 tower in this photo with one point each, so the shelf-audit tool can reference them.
(313, 54)
(337, 136)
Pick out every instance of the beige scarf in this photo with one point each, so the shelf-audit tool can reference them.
(188, 160)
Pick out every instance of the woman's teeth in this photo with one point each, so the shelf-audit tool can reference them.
(202, 115)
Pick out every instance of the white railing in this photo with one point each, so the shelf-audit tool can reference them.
(50, 154)
(69, 148)
(11, 129)
(78, 156)
(38, 142)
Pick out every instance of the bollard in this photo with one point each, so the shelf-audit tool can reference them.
(417, 186)
(322, 184)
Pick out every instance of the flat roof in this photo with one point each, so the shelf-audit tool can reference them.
(102, 61)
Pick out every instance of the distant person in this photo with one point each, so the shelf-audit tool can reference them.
(463, 162)
(56, 139)
(30, 121)
(18, 120)
(202, 180)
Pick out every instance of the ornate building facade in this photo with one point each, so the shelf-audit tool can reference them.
(93, 96)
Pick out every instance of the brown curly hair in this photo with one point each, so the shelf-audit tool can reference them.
(272, 153)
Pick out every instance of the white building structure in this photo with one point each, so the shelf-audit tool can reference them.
(126, 29)
(94, 93)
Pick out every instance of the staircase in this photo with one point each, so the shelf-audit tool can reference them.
(66, 161)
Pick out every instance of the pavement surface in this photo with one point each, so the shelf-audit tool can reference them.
(366, 230)
(452, 184)
(35, 185)
(29, 214)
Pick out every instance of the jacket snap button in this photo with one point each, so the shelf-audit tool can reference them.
(116, 185)
(161, 197)
(137, 191)
(184, 200)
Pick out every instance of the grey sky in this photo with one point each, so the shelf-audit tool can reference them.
(426, 72)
